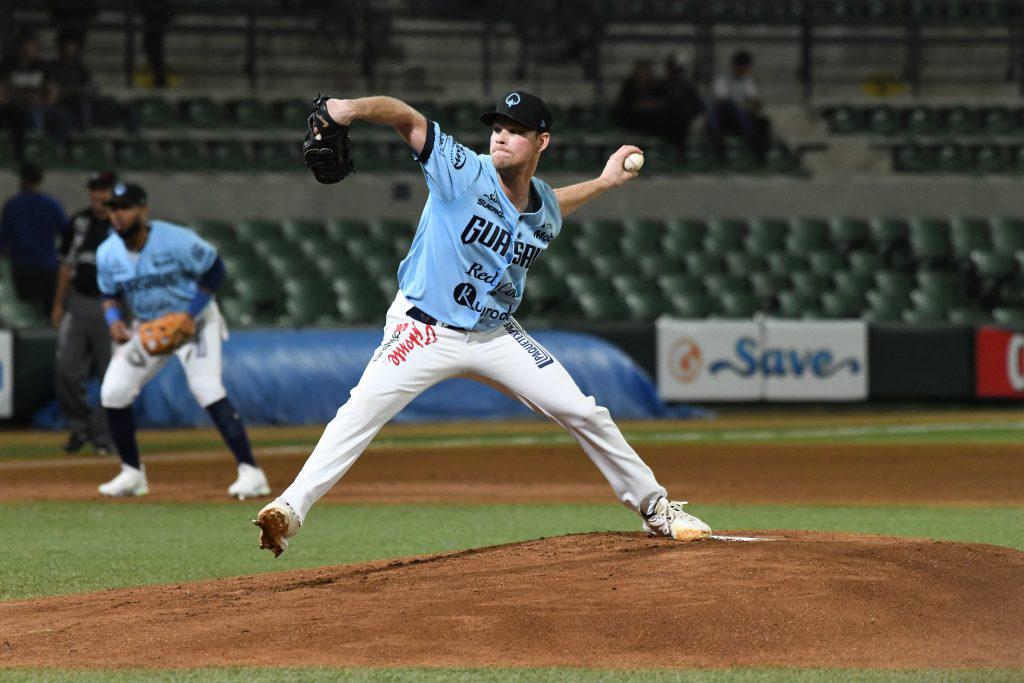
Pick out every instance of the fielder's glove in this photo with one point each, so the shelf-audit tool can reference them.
(326, 150)
(164, 335)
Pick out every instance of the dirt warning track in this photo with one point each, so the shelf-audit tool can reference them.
(596, 600)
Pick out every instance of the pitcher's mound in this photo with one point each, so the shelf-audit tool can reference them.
(593, 600)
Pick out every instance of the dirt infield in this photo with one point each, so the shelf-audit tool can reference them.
(733, 473)
(595, 600)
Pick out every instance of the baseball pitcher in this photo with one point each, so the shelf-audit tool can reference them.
(167, 275)
(486, 222)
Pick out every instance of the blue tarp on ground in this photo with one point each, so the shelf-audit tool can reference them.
(304, 376)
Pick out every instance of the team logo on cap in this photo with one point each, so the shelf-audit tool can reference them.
(513, 99)
(120, 189)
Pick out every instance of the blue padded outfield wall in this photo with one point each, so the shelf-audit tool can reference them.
(304, 376)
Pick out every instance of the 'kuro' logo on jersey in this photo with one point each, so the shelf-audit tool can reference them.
(465, 295)
(498, 240)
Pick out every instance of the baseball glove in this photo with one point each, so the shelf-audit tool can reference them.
(164, 335)
(326, 150)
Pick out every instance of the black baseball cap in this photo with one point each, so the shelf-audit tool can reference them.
(524, 108)
(101, 180)
(126, 195)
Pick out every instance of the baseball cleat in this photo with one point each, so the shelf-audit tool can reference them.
(278, 523)
(668, 519)
(130, 482)
(251, 483)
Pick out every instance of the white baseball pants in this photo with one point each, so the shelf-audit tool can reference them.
(414, 356)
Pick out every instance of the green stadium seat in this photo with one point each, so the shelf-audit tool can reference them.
(684, 235)
(291, 114)
(268, 246)
(42, 151)
(136, 156)
(700, 264)
(825, 262)
(699, 158)
(969, 315)
(462, 116)
(386, 230)
(297, 230)
(646, 305)
(599, 237)
(884, 310)
(894, 282)
(289, 266)
(88, 153)
(600, 308)
(229, 155)
(583, 284)
(626, 283)
(255, 229)
(544, 294)
(850, 233)
(840, 305)
(993, 159)
(156, 113)
(852, 284)
(262, 297)
(202, 112)
(242, 266)
(794, 304)
(997, 121)
(718, 283)
(784, 263)
(346, 230)
(913, 158)
(961, 120)
(993, 265)
(866, 262)
(561, 264)
(276, 156)
(607, 265)
(691, 305)
(1008, 233)
(643, 238)
(927, 309)
(310, 312)
(184, 155)
(844, 120)
(339, 265)
(930, 241)
(766, 235)
(672, 283)
(766, 286)
(738, 157)
(250, 113)
(235, 311)
(968, 234)
(1006, 315)
(807, 235)
(724, 235)
(737, 304)
(952, 158)
(922, 121)
(653, 266)
(382, 264)
(388, 286)
(743, 263)
(576, 156)
(808, 282)
(364, 305)
(883, 120)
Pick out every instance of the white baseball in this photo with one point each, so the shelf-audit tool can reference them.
(634, 162)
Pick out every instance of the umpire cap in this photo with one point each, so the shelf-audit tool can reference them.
(523, 108)
(126, 195)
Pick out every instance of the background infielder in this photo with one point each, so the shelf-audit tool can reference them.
(486, 221)
(167, 275)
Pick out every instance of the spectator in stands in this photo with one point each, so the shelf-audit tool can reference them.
(71, 79)
(30, 224)
(25, 94)
(682, 100)
(737, 107)
(642, 102)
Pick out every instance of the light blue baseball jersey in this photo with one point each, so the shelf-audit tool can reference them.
(160, 279)
(468, 262)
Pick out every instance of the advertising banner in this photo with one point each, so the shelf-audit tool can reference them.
(694, 360)
(999, 363)
(815, 360)
(6, 373)
(778, 360)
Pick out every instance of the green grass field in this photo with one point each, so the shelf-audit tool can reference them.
(54, 548)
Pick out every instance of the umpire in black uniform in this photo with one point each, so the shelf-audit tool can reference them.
(83, 340)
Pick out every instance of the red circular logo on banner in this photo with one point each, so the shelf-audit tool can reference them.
(685, 360)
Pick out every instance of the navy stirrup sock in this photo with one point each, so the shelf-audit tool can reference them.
(229, 424)
(122, 431)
